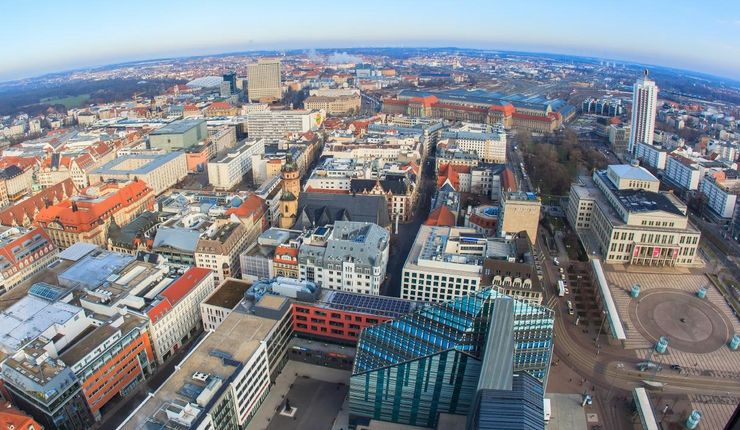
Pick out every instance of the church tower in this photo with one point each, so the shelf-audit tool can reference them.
(291, 190)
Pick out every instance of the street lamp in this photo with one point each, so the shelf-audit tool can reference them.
(598, 333)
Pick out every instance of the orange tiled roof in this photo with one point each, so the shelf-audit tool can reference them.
(89, 212)
(286, 250)
(12, 418)
(251, 206)
(177, 290)
(24, 212)
(22, 162)
(219, 106)
(442, 216)
(508, 182)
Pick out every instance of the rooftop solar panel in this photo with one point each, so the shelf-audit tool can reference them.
(385, 306)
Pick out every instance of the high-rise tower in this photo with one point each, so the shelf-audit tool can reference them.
(291, 190)
(644, 104)
(263, 80)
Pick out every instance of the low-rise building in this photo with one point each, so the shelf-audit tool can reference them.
(443, 263)
(334, 105)
(221, 302)
(229, 169)
(85, 217)
(347, 256)
(175, 314)
(159, 171)
(23, 253)
(179, 135)
(219, 248)
(509, 268)
(720, 191)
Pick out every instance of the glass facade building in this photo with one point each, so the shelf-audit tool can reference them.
(410, 369)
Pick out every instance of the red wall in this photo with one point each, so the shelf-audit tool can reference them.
(340, 325)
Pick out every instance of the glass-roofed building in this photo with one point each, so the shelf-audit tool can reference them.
(410, 369)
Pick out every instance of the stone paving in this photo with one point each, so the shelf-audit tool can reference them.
(292, 371)
(701, 349)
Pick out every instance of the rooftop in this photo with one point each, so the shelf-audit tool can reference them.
(178, 127)
(28, 318)
(627, 171)
(217, 356)
(229, 294)
(139, 164)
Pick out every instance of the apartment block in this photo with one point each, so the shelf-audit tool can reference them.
(347, 256)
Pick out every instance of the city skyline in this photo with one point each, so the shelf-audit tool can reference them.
(679, 36)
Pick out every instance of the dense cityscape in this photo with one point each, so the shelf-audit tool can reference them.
(370, 238)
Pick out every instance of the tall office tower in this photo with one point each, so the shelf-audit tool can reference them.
(231, 79)
(644, 104)
(412, 369)
(264, 80)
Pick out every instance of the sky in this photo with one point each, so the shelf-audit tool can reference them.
(43, 36)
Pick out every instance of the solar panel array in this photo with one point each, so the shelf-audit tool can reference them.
(379, 305)
(46, 291)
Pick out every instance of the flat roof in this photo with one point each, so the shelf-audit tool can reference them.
(271, 301)
(94, 338)
(178, 127)
(644, 409)
(229, 294)
(216, 356)
(30, 317)
(153, 162)
(615, 323)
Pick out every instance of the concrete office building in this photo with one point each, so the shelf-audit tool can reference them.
(228, 170)
(221, 302)
(435, 361)
(347, 256)
(487, 142)
(222, 382)
(177, 135)
(620, 214)
(444, 263)
(644, 106)
(159, 171)
(520, 211)
(263, 81)
(282, 124)
(686, 170)
(23, 253)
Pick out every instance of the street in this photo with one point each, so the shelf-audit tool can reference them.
(401, 243)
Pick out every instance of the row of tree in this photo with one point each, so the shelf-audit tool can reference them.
(554, 160)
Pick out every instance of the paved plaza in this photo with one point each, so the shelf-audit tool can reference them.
(317, 404)
(698, 329)
(312, 384)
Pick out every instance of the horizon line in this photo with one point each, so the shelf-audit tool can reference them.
(278, 50)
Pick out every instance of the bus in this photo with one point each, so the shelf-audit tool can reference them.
(561, 288)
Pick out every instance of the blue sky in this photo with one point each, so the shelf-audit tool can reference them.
(43, 35)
